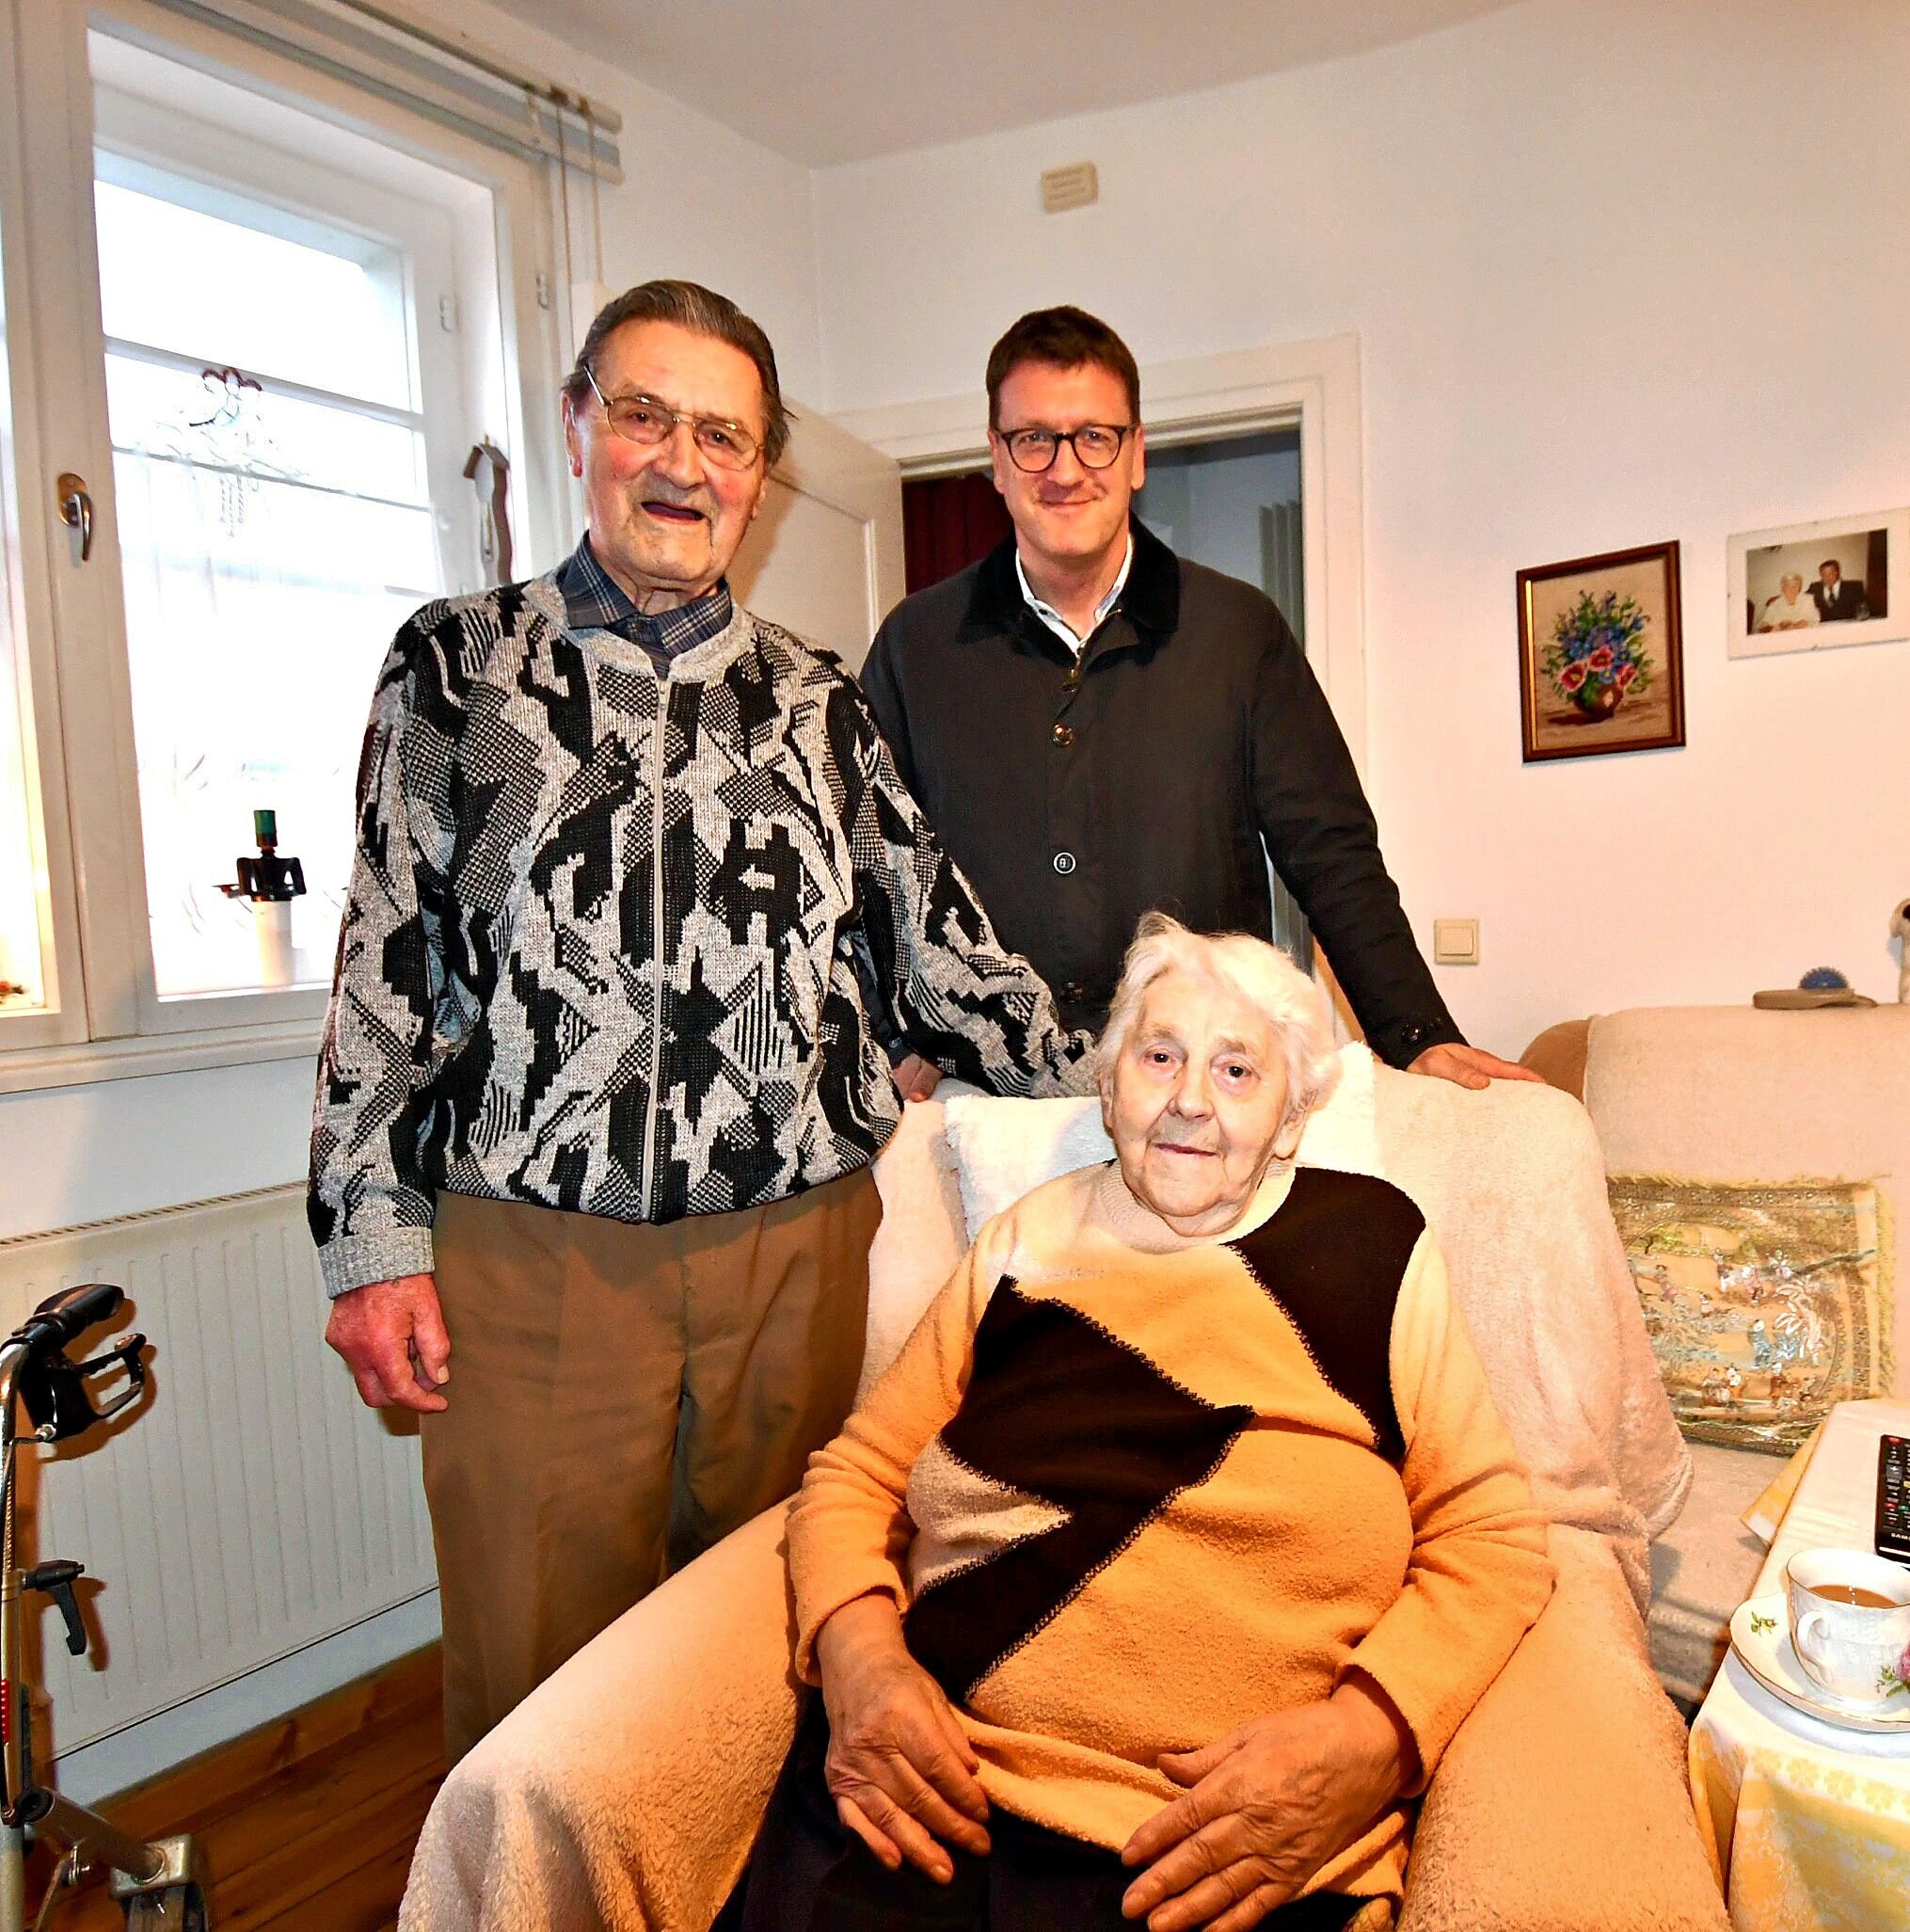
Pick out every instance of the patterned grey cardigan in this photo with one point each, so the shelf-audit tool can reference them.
(600, 948)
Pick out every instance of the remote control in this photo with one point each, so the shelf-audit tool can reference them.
(1893, 1497)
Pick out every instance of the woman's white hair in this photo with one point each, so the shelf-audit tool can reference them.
(1250, 968)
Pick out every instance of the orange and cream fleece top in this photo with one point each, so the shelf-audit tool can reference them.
(1130, 1489)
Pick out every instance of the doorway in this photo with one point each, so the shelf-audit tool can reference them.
(1233, 502)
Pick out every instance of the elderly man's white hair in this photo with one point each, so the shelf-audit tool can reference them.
(1257, 972)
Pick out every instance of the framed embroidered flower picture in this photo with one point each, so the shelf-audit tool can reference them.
(1601, 654)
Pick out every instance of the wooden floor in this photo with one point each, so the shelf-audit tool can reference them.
(305, 1825)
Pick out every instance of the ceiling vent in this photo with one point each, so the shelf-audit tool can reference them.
(1075, 186)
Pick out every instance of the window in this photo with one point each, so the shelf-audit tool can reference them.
(276, 527)
(256, 344)
(289, 410)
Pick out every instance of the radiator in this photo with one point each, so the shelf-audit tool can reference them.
(252, 1504)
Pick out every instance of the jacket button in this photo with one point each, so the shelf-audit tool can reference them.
(1064, 734)
(1064, 863)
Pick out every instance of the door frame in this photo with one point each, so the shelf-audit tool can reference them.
(1311, 386)
(843, 473)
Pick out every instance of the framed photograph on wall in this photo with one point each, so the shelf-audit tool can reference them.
(1601, 654)
(1815, 586)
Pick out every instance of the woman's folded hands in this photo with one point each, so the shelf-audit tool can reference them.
(900, 1768)
(1265, 1807)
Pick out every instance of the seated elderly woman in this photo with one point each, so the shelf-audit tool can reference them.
(1155, 1574)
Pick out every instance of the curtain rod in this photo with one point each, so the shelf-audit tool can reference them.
(566, 100)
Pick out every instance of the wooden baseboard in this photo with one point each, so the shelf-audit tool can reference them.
(304, 1825)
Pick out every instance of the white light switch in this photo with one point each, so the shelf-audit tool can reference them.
(1456, 942)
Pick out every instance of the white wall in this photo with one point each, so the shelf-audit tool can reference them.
(1582, 243)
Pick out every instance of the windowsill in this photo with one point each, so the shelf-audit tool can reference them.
(26, 1069)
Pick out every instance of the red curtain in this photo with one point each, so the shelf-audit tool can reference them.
(950, 523)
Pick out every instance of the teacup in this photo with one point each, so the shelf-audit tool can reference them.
(1850, 1625)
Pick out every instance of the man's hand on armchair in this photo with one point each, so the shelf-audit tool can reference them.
(1470, 1066)
(393, 1337)
(916, 1077)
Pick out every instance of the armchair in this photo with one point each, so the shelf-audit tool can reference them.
(624, 1793)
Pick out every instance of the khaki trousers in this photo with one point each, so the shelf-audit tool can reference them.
(620, 1398)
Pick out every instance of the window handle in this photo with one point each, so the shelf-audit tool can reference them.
(76, 511)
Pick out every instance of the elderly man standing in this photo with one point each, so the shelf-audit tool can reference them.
(1838, 600)
(597, 1099)
(1097, 727)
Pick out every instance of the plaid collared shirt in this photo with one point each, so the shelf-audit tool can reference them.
(594, 601)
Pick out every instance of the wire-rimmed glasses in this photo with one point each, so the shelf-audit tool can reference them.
(1095, 445)
(646, 422)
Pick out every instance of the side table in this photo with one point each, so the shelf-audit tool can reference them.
(1809, 1824)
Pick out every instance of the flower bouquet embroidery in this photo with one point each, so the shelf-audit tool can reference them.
(1597, 657)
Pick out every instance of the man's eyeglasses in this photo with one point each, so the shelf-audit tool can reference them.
(647, 422)
(1095, 445)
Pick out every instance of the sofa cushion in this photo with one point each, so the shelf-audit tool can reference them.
(1765, 1303)
(1740, 1096)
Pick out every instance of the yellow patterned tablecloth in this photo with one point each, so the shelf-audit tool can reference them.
(1809, 1825)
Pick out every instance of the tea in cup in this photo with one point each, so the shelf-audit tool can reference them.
(1850, 1625)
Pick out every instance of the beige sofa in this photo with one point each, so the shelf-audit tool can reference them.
(1733, 1093)
(625, 1791)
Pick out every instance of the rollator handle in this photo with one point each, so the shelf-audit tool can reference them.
(64, 1397)
(57, 1580)
(71, 1312)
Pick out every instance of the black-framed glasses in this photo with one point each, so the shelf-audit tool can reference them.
(1095, 445)
(647, 422)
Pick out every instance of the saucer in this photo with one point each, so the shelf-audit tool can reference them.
(1760, 1635)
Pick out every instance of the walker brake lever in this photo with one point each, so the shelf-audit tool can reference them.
(57, 1580)
(126, 1357)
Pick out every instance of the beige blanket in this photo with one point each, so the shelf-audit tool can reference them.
(623, 1795)
(1541, 1274)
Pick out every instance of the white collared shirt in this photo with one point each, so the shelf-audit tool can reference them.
(1054, 619)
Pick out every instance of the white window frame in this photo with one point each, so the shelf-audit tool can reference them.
(109, 1022)
(26, 547)
(1311, 386)
(150, 136)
